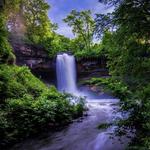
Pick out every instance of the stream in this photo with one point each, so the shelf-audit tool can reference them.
(83, 133)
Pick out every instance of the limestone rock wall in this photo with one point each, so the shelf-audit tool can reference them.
(41, 65)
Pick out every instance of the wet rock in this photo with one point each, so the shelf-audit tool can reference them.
(92, 67)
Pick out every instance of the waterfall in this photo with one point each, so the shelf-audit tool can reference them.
(66, 73)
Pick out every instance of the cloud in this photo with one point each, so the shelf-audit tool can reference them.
(65, 30)
(61, 8)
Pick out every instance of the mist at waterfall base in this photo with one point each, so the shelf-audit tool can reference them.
(67, 78)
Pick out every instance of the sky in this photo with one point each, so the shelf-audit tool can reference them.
(61, 8)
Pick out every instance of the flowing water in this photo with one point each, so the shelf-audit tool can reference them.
(83, 133)
(66, 73)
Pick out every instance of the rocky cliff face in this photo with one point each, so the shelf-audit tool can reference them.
(36, 58)
(41, 65)
(92, 67)
(32, 56)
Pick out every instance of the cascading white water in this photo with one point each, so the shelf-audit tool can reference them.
(66, 73)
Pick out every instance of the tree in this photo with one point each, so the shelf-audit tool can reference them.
(128, 52)
(131, 35)
(6, 55)
(29, 18)
(38, 25)
(82, 26)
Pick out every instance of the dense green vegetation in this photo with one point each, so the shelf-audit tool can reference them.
(6, 55)
(28, 106)
(128, 49)
(29, 23)
(83, 26)
(111, 85)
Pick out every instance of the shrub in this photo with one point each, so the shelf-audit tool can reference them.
(28, 106)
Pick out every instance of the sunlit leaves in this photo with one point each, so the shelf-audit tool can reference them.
(83, 26)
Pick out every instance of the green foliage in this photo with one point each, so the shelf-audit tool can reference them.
(139, 117)
(82, 26)
(127, 50)
(17, 81)
(104, 125)
(29, 106)
(115, 86)
(28, 22)
(36, 20)
(29, 19)
(57, 43)
(97, 51)
(6, 56)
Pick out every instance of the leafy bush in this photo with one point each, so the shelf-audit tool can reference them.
(96, 51)
(6, 55)
(17, 81)
(134, 101)
(116, 87)
(29, 106)
(87, 54)
(104, 125)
